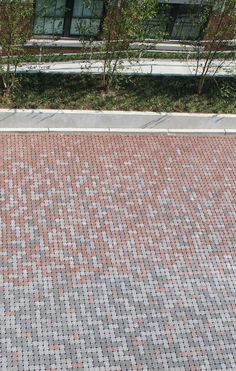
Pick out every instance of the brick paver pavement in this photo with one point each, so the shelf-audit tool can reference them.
(117, 252)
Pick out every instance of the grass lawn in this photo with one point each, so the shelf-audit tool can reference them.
(59, 55)
(141, 93)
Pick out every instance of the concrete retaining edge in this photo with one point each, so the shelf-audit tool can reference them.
(53, 111)
(120, 131)
(28, 120)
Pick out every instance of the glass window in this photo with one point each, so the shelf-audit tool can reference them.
(87, 9)
(50, 8)
(98, 9)
(78, 9)
(49, 18)
(85, 27)
(48, 26)
(187, 24)
(86, 18)
(185, 29)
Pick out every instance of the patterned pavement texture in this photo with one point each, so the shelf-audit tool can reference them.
(117, 252)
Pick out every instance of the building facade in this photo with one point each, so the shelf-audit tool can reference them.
(83, 18)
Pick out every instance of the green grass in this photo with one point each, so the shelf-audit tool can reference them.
(141, 93)
(51, 56)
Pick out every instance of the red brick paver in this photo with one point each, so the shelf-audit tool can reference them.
(117, 252)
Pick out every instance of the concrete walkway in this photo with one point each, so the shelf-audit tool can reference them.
(141, 67)
(118, 121)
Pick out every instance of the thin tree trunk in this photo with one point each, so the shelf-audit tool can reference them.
(210, 56)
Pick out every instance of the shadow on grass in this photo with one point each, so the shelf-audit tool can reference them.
(154, 93)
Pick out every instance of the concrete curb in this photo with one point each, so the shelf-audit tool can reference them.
(128, 113)
(23, 130)
(121, 131)
(230, 131)
(28, 120)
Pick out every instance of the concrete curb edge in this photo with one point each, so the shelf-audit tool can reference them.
(128, 113)
(120, 131)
